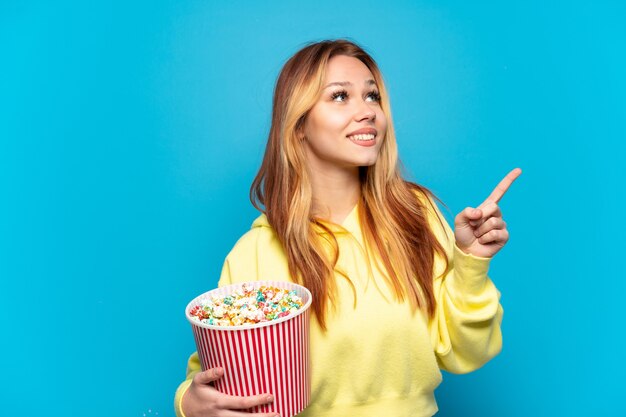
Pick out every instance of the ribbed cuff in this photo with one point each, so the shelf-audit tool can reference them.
(178, 398)
(470, 270)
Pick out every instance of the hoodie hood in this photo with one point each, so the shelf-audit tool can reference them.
(261, 221)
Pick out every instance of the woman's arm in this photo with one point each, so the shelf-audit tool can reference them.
(196, 396)
(465, 330)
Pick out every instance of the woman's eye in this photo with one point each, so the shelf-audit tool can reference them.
(373, 96)
(339, 96)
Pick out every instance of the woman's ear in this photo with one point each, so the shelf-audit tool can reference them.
(300, 129)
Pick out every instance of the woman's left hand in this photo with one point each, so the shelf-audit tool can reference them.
(481, 231)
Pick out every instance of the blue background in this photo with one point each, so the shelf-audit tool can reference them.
(130, 133)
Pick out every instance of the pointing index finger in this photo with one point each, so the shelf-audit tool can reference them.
(502, 187)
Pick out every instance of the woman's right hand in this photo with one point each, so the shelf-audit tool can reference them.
(203, 400)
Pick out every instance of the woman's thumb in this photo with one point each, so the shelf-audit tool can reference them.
(208, 376)
(468, 216)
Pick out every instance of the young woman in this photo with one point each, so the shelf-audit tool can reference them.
(397, 294)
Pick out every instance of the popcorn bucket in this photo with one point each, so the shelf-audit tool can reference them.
(267, 357)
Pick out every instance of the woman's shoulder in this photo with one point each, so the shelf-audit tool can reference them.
(436, 220)
(427, 200)
(260, 240)
(257, 255)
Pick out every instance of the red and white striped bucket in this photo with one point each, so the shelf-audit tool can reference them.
(269, 357)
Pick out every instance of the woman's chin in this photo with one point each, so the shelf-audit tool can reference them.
(368, 162)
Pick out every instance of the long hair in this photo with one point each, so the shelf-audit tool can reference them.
(394, 221)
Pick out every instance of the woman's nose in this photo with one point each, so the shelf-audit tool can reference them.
(365, 112)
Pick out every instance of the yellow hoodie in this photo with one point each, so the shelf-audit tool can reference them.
(377, 358)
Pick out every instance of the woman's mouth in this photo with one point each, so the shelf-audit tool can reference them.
(366, 139)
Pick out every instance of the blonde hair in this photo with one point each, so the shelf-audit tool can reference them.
(393, 220)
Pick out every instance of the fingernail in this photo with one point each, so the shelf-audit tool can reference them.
(270, 398)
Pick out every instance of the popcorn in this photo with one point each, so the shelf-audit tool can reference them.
(247, 305)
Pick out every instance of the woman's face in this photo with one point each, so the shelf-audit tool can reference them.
(346, 127)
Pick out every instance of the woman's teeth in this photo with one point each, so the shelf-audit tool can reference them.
(362, 137)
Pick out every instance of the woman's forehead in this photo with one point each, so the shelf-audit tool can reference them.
(342, 69)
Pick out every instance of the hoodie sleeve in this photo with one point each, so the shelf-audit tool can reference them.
(193, 364)
(193, 367)
(465, 330)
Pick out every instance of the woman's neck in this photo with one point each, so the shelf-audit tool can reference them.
(335, 193)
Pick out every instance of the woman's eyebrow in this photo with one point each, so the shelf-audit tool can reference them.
(347, 83)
